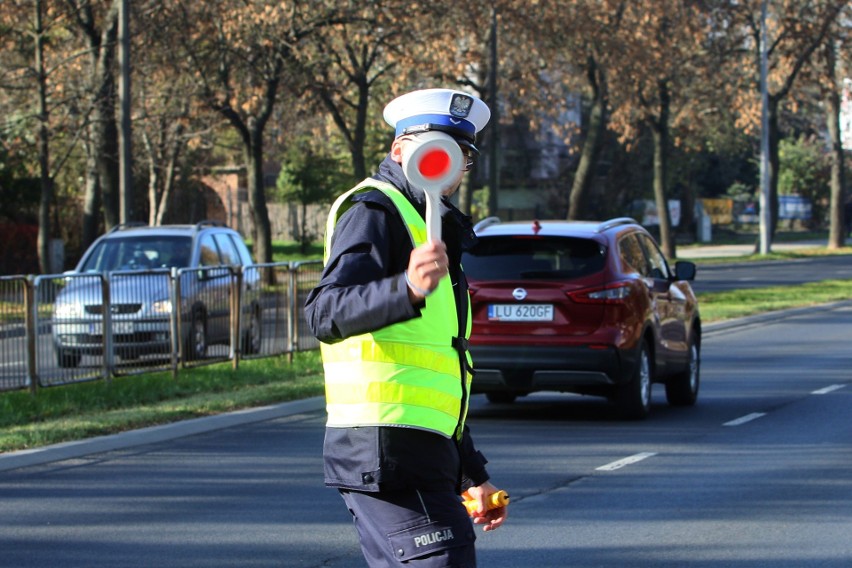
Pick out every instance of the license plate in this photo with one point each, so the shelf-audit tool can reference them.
(118, 328)
(520, 312)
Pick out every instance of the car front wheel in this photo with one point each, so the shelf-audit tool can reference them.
(253, 336)
(67, 359)
(634, 398)
(196, 340)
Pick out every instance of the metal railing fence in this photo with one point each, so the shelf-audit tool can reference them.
(67, 328)
(305, 277)
(14, 371)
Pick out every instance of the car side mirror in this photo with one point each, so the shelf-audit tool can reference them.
(685, 270)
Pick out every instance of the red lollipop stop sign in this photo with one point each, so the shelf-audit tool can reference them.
(431, 161)
(435, 163)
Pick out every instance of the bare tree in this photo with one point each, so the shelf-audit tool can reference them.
(37, 62)
(830, 78)
(796, 31)
(348, 62)
(97, 23)
(239, 64)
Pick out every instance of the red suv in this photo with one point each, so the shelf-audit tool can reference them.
(583, 307)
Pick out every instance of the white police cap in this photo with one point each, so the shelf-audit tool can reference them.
(458, 114)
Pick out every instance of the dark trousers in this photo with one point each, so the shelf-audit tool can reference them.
(423, 529)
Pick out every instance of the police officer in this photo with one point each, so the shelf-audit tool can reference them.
(392, 313)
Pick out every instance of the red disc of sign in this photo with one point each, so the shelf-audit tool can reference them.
(434, 163)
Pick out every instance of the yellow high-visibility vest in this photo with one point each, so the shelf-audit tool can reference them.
(407, 374)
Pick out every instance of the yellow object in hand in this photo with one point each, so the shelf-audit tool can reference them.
(494, 501)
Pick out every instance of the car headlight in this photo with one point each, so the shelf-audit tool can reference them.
(64, 310)
(162, 307)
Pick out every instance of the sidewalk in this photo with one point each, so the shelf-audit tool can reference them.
(717, 251)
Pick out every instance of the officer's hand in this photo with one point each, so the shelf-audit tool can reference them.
(426, 266)
(489, 518)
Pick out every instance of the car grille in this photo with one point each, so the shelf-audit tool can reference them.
(97, 309)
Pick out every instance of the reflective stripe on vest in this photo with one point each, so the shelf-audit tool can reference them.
(408, 373)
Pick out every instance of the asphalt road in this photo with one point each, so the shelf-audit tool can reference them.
(757, 474)
(733, 276)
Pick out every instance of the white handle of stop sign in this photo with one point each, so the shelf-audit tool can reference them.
(431, 162)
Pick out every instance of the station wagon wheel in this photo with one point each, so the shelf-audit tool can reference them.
(196, 339)
(254, 334)
(682, 388)
(634, 398)
(67, 359)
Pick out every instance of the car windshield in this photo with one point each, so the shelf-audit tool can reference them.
(139, 253)
(514, 258)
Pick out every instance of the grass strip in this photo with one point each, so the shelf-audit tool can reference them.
(773, 256)
(717, 306)
(77, 411)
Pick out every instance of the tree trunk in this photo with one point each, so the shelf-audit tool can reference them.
(837, 225)
(105, 140)
(153, 180)
(660, 130)
(44, 229)
(578, 198)
(91, 200)
(169, 180)
(588, 159)
(494, 128)
(103, 130)
(357, 136)
(359, 164)
(161, 184)
(667, 242)
(262, 236)
(774, 162)
(304, 241)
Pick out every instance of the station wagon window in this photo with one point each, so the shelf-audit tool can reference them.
(226, 249)
(209, 252)
(242, 249)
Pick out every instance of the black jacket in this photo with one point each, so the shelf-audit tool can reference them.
(363, 289)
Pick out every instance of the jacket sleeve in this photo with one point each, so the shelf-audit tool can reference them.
(362, 287)
(472, 460)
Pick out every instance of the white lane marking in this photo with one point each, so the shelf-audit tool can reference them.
(827, 390)
(626, 461)
(744, 419)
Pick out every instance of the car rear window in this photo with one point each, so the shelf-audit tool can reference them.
(541, 258)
